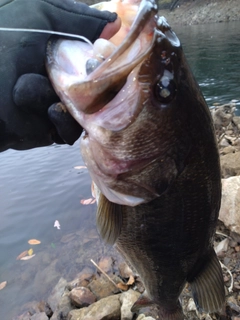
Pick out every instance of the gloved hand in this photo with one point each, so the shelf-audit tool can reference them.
(26, 121)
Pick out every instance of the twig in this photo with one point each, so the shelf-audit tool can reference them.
(230, 289)
(222, 234)
(105, 274)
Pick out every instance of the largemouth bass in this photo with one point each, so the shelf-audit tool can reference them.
(150, 148)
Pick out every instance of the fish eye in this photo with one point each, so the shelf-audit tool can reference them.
(165, 89)
(91, 65)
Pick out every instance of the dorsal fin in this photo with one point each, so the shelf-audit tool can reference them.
(109, 219)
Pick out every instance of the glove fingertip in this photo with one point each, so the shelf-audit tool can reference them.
(67, 127)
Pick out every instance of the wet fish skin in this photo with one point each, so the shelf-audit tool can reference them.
(166, 160)
(169, 240)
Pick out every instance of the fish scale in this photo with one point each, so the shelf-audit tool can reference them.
(157, 172)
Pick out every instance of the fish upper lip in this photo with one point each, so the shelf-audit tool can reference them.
(89, 95)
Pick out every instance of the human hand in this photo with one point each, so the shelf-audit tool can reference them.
(26, 118)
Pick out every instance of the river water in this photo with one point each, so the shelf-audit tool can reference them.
(40, 186)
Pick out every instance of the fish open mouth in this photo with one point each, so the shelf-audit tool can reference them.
(86, 77)
(107, 87)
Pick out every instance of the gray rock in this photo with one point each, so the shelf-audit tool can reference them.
(24, 316)
(77, 314)
(63, 308)
(56, 294)
(39, 316)
(143, 317)
(127, 300)
(104, 309)
(82, 297)
(102, 287)
(230, 205)
(83, 278)
(230, 164)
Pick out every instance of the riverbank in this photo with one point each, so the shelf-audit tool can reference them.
(203, 12)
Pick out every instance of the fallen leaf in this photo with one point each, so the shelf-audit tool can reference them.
(131, 280)
(3, 285)
(34, 241)
(30, 252)
(80, 167)
(122, 286)
(23, 254)
(28, 257)
(88, 201)
(57, 225)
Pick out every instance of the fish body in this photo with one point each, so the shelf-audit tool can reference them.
(150, 148)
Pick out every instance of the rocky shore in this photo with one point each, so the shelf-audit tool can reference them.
(109, 289)
(203, 12)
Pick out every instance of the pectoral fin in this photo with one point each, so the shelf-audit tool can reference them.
(208, 286)
(109, 220)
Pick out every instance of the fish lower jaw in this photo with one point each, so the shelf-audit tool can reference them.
(117, 197)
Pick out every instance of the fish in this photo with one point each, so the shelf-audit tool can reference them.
(150, 148)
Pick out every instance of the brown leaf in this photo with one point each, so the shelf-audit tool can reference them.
(122, 286)
(3, 285)
(80, 167)
(23, 254)
(131, 280)
(34, 241)
(28, 257)
(88, 201)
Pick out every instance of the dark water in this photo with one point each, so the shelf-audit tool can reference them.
(213, 54)
(40, 186)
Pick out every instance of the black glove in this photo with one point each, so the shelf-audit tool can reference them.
(25, 92)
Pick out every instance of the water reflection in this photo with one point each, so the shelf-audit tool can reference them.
(213, 54)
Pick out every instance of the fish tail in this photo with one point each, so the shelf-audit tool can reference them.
(207, 285)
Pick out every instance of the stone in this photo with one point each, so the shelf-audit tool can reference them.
(230, 205)
(230, 164)
(143, 317)
(56, 294)
(125, 270)
(48, 310)
(34, 307)
(104, 309)
(63, 308)
(105, 264)
(229, 149)
(102, 287)
(77, 314)
(39, 316)
(82, 297)
(24, 316)
(83, 278)
(127, 300)
(222, 116)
